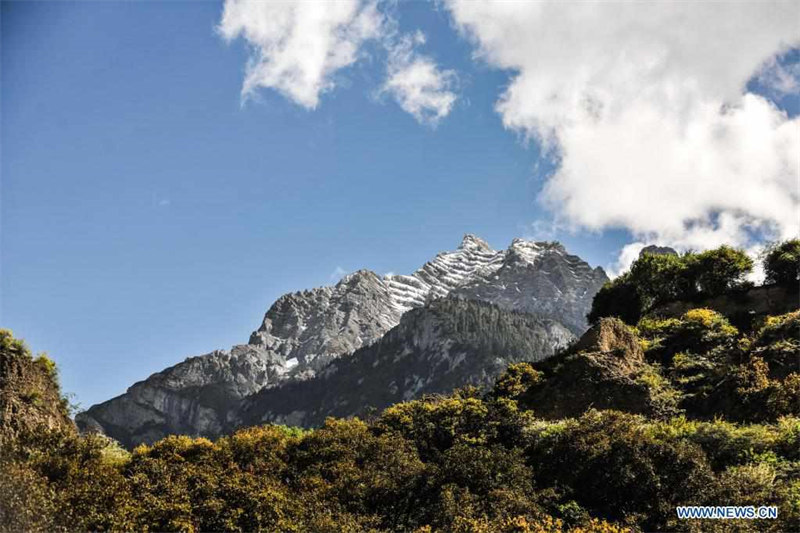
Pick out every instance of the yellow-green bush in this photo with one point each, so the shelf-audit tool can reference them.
(471, 461)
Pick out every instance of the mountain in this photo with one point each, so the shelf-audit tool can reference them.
(541, 278)
(302, 333)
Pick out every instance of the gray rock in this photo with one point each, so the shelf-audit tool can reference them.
(657, 250)
(195, 397)
(308, 328)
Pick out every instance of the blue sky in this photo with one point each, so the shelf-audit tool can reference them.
(149, 214)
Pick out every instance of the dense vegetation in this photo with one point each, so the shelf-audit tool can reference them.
(782, 263)
(610, 435)
(29, 392)
(658, 278)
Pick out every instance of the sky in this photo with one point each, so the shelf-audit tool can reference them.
(169, 169)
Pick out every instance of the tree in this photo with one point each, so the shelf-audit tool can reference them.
(619, 298)
(782, 263)
(715, 272)
(657, 279)
(662, 278)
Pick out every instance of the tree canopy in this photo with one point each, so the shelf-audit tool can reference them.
(782, 263)
(657, 279)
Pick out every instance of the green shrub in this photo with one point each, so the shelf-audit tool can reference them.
(698, 331)
(517, 379)
(436, 424)
(715, 272)
(780, 328)
(616, 469)
(12, 347)
(662, 278)
(48, 365)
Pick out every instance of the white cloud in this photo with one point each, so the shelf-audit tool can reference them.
(543, 230)
(417, 83)
(337, 274)
(298, 46)
(628, 254)
(645, 107)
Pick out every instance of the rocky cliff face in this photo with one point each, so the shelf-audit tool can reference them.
(310, 328)
(303, 332)
(195, 397)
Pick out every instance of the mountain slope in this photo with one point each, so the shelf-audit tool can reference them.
(312, 327)
(447, 344)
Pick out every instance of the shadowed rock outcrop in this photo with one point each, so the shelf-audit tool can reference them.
(197, 396)
(605, 369)
(740, 306)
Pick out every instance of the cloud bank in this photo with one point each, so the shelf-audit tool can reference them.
(646, 109)
(298, 47)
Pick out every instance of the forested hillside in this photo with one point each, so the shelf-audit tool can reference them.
(446, 344)
(609, 435)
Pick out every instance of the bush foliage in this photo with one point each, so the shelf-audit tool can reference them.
(472, 461)
(782, 264)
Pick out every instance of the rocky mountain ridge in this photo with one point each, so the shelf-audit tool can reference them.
(311, 327)
(303, 332)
